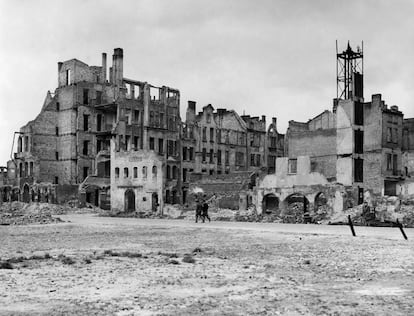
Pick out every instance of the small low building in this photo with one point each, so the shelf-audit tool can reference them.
(136, 181)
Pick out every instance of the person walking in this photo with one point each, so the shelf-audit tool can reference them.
(199, 211)
(205, 212)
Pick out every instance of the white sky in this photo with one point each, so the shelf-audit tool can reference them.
(275, 58)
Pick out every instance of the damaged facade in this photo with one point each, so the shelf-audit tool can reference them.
(120, 144)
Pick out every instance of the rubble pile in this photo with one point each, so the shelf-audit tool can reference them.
(293, 213)
(19, 213)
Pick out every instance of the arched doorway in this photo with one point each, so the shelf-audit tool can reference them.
(26, 194)
(296, 208)
(270, 203)
(320, 200)
(129, 201)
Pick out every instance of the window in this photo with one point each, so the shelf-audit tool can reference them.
(226, 157)
(126, 172)
(211, 172)
(57, 106)
(98, 97)
(252, 162)
(395, 135)
(258, 161)
(68, 78)
(389, 134)
(211, 134)
(144, 172)
(85, 122)
(26, 169)
(359, 142)
(151, 143)
(204, 134)
(56, 180)
(184, 175)
(161, 120)
(239, 159)
(204, 155)
(135, 172)
(117, 172)
(175, 172)
(273, 142)
(151, 118)
(218, 136)
(161, 146)
(85, 172)
(211, 156)
(154, 171)
(170, 147)
(85, 96)
(136, 139)
(219, 157)
(21, 170)
(293, 166)
(99, 122)
(191, 154)
(358, 170)
(168, 172)
(359, 113)
(184, 153)
(395, 164)
(85, 147)
(26, 143)
(57, 155)
(136, 116)
(127, 142)
(31, 169)
(208, 118)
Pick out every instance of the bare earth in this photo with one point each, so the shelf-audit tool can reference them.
(124, 266)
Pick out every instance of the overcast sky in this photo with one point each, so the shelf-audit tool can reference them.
(273, 58)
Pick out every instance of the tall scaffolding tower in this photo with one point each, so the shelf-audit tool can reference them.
(349, 73)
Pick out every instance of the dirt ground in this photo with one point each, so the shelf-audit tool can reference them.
(124, 266)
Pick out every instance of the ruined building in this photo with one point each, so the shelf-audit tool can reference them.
(65, 151)
(118, 143)
(222, 151)
(358, 151)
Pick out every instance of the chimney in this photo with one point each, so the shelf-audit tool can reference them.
(191, 110)
(263, 118)
(274, 121)
(118, 66)
(103, 73)
(59, 66)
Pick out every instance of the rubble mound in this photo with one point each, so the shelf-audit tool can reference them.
(19, 213)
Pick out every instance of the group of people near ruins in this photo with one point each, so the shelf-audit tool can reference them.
(202, 211)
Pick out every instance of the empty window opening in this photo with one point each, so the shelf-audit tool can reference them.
(211, 156)
(56, 180)
(168, 172)
(68, 77)
(85, 122)
(57, 155)
(126, 172)
(135, 172)
(161, 146)
(204, 155)
(57, 131)
(151, 143)
(219, 157)
(85, 96)
(293, 166)
(359, 113)
(211, 134)
(127, 142)
(358, 170)
(57, 106)
(154, 171)
(136, 116)
(85, 147)
(116, 172)
(31, 169)
(359, 141)
(144, 172)
(98, 97)
(136, 142)
(99, 122)
(85, 172)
